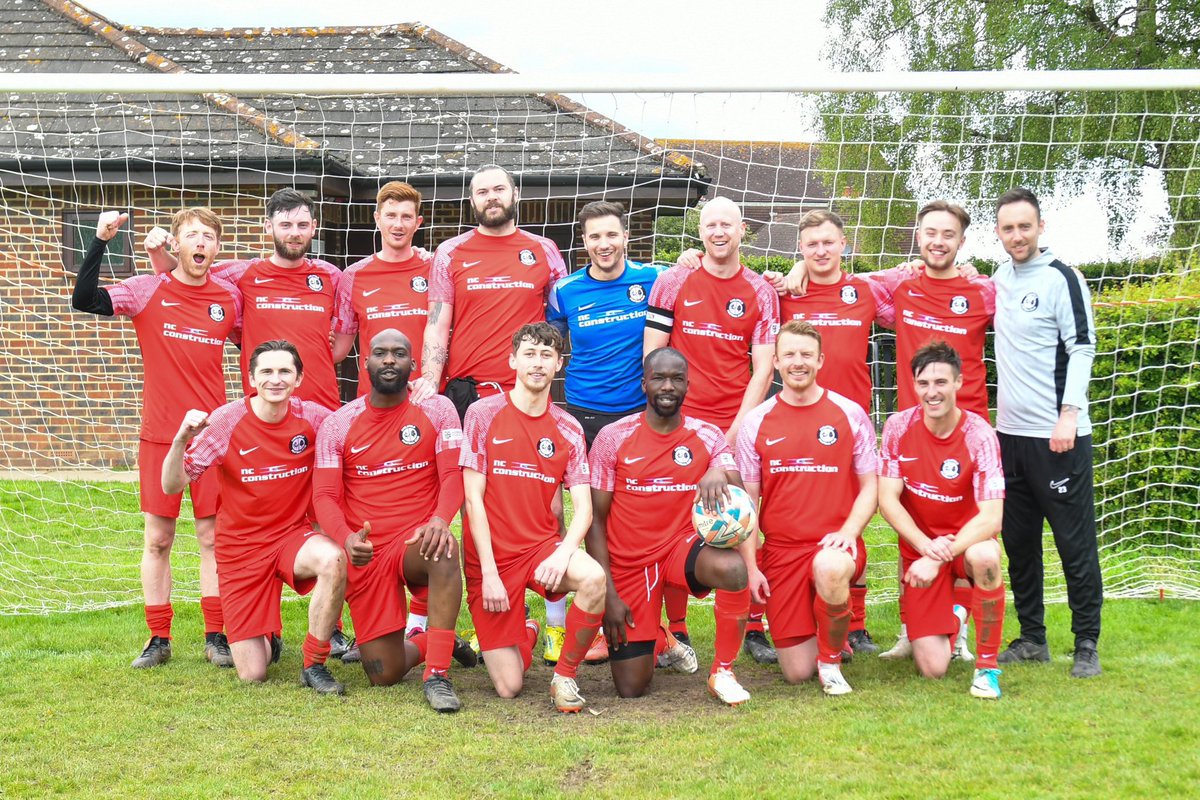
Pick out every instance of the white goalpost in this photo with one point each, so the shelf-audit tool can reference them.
(1115, 155)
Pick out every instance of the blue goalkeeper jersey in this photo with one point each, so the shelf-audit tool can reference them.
(605, 320)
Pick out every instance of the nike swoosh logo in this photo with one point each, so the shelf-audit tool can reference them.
(690, 303)
(1058, 484)
(258, 281)
(242, 452)
(775, 441)
(500, 441)
(373, 291)
(168, 304)
(469, 264)
(635, 460)
(909, 458)
(359, 449)
(585, 308)
(911, 293)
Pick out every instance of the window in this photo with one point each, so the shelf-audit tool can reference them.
(78, 231)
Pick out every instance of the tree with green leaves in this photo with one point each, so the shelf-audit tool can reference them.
(883, 150)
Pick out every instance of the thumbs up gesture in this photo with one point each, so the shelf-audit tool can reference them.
(359, 548)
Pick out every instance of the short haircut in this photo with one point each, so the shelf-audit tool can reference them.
(660, 353)
(818, 217)
(958, 212)
(1019, 194)
(398, 191)
(488, 168)
(277, 346)
(202, 214)
(288, 199)
(936, 352)
(538, 333)
(800, 327)
(601, 208)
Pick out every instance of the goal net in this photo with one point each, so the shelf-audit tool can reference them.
(1119, 172)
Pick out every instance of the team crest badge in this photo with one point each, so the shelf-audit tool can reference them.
(419, 284)
(959, 304)
(951, 469)
(298, 444)
(1029, 302)
(315, 283)
(410, 434)
(545, 448)
(216, 313)
(736, 308)
(849, 295)
(827, 435)
(682, 455)
(636, 293)
(528, 258)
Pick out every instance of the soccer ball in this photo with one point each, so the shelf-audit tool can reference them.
(730, 527)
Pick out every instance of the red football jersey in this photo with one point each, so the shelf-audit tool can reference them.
(653, 477)
(807, 460)
(266, 472)
(181, 332)
(843, 313)
(525, 459)
(387, 460)
(496, 284)
(293, 304)
(944, 479)
(956, 311)
(714, 322)
(374, 295)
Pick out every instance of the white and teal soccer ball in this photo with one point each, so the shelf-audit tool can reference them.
(730, 527)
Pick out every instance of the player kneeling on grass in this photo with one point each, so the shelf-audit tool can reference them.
(809, 453)
(517, 449)
(646, 470)
(263, 448)
(387, 485)
(941, 487)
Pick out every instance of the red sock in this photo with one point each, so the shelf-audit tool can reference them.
(210, 609)
(315, 651)
(833, 623)
(421, 642)
(754, 618)
(526, 647)
(858, 608)
(675, 600)
(420, 601)
(730, 609)
(158, 620)
(988, 608)
(581, 632)
(441, 646)
(964, 596)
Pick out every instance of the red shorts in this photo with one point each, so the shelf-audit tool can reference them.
(497, 629)
(930, 611)
(790, 608)
(250, 588)
(375, 593)
(642, 587)
(205, 492)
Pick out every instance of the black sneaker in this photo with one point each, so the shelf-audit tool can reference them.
(847, 654)
(1087, 660)
(1024, 650)
(352, 654)
(440, 695)
(216, 650)
(682, 638)
(338, 644)
(861, 642)
(157, 651)
(759, 648)
(320, 679)
(463, 653)
(276, 647)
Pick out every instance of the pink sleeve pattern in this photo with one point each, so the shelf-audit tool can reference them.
(444, 417)
(232, 271)
(554, 259)
(720, 454)
(885, 301)
(767, 326)
(132, 295)
(441, 287)
(893, 431)
(211, 444)
(987, 289)
(331, 436)
(749, 462)
(984, 447)
(577, 461)
(602, 461)
(479, 418)
(344, 318)
(866, 458)
(314, 414)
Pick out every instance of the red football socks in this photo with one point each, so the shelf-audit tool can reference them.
(964, 596)
(526, 647)
(675, 601)
(833, 624)
(730, 610)
(420, 601)
(315, 651)
(214, 618)
(858, 608)
(158, 620)
(581, 632)
(988, 608)
(439, 647)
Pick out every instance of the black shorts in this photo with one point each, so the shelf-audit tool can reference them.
(593, 421)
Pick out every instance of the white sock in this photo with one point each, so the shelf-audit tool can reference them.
(556, 613)
(824, 670)
(417, 621)
(903, 631)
